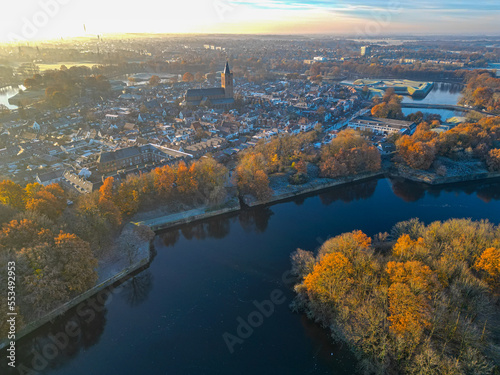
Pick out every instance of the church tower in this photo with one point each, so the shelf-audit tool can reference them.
(227, 81)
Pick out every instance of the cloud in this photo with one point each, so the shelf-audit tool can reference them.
(257, 16)
(374, 5)
(444, 16)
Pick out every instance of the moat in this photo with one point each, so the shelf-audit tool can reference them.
(204, 279)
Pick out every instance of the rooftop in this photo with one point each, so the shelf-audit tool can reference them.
(398, 124)
(192, 93)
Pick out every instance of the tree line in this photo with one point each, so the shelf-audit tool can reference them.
(279, 154)
(347, 154)
(482, 91)
(64, 84)
(388, 106)
(56, 243)
(464, 142)
(53, 264)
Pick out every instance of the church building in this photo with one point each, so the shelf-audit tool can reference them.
(217, 97)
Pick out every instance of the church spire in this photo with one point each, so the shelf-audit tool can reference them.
(227, 82)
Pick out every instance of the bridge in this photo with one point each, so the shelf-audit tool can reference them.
(444, 106)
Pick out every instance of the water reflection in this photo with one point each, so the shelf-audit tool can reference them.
(218, 228)
(413, 191)
(209, 229)
(407, 190)
(170, 237)
(251, 220)
(55, 344)
(189, 319)
(349, 193)
(326, 349)
(255, 220)
(488, 192)
(137, 289)
(452, 88)
(442, 93)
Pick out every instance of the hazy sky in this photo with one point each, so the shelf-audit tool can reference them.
(42, 19)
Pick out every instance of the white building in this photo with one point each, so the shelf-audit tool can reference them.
(381, 125)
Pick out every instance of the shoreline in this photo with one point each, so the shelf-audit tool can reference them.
(435, 180)
(231, 206)
(106, 278)
(313, 186)
(185, 217)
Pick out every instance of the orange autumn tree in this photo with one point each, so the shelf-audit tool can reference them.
(260, 185)
(493, 160)
(32, 189)
(409, 313)
(389, 106)
(347, 244)
(46, 200)
(417, 154)
(106, 205)
(300, 167)
(481, 89)
(45, 203)
(128, 195)
(211, 178)
(423, 132)
(352, 161)
(51, 267)
(55, 270)
(415, 274)
(407, 249)
(251, 176)
(106, 190)
(330, 279)
(349, 154)
(188, 77)
(164, 178)
(186, 183)
(50, 200)
(75, 262)
(12, 194)
(22, 233)
(391, 307)
(489, 262)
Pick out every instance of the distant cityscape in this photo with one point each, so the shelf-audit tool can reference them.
(181, 117)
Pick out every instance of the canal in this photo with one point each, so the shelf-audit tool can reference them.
(204, 280)
(8, 92)
(442, 93)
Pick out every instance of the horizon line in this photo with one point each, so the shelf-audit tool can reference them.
(347, 35)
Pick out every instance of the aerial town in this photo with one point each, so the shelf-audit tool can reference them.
(150, 120)
(250, 203)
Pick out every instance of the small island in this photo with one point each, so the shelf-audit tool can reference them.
(420, 300)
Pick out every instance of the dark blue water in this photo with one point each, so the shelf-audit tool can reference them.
(171, 318)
